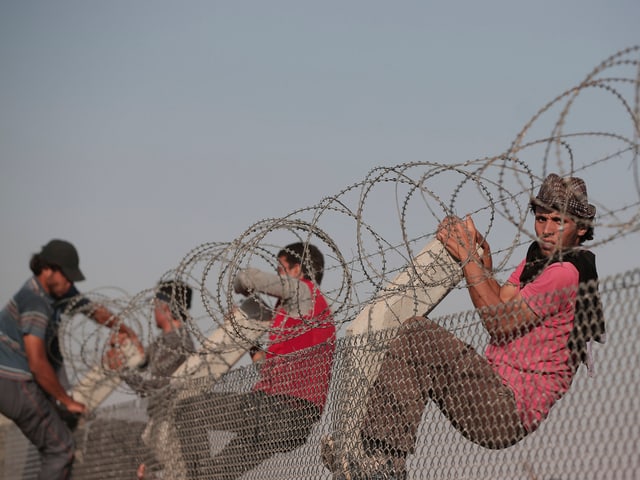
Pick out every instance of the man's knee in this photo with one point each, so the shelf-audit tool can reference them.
(417, 330)
(57, 458)
(419, 324)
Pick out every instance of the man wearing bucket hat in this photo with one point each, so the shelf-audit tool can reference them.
(33, 396)
(539, 323)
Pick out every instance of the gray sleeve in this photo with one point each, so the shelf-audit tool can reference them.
(164, 356)
(135, 380)
(294, 294)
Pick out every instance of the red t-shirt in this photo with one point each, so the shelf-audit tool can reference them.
(300, 353)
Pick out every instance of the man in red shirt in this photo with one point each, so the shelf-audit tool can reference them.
(289, 396)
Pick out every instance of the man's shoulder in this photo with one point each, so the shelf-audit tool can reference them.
(561, 273)
(30, 297)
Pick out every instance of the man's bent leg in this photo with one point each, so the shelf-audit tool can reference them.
(475, 400)
(25, 404)
(425, 361)
(197, 415)
(276, 424)
(398, 395)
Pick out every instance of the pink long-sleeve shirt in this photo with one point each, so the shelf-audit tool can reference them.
(536, 365)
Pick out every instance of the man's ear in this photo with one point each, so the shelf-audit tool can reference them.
(581, 231)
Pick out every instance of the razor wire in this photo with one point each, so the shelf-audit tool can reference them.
(371, 231)
(590, 433)
(383, 220)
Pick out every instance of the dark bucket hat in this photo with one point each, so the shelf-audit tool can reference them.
(64, 255)
(566, 195)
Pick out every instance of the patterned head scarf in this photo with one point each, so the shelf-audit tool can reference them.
(566, 195)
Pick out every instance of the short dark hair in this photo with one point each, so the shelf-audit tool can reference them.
(37, 264)
(254, 349)
(308, 257)
(177, 294)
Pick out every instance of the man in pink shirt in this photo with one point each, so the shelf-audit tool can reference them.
(538, 322)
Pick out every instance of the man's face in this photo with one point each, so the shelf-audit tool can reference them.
(286, 268)
(55, 282)
(162, 314)
(556, 231)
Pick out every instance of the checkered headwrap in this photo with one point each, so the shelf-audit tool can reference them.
(567, 195)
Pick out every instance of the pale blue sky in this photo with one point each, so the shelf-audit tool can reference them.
(141, 129)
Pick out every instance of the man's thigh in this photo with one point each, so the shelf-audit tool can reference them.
(472, 395)
(26, 404)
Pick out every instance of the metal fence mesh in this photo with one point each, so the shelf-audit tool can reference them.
(209, 420)
(590, 433)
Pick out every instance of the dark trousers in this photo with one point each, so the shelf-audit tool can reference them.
(426, 362)
(264, 425)
(27, 406)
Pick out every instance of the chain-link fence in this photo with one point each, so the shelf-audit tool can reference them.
(380, 393)
(228, 429)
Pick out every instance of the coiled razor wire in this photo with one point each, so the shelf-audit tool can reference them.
(370, 230)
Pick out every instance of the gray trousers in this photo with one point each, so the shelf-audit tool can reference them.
(27, 406)
(426, 362)
(264, 425)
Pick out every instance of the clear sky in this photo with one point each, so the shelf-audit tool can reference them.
(139, 130)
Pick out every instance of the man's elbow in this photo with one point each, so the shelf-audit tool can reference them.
(36, 365)
(239, 284)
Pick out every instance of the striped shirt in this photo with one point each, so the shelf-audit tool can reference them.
(27, 313)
